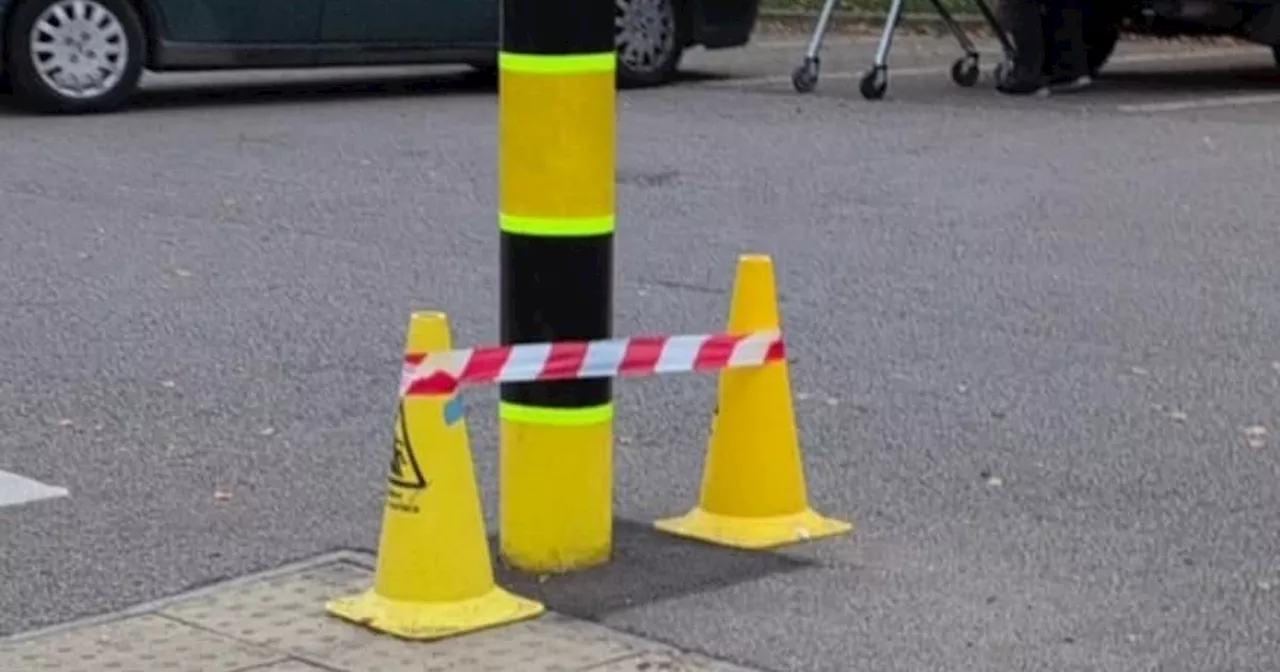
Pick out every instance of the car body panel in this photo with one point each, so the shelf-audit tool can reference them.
(410, 22)
(722, 24)
(239, 21)
(1254, 20)
(238, 34)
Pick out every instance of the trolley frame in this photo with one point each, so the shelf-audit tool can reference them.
(964, 72)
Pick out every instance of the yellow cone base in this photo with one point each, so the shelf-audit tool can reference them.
(419, 621)
(753, 533)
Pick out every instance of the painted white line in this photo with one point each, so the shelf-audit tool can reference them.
(785, 79)
(804, 44)
(1201, 103)
(1205, 54)
(15, 489)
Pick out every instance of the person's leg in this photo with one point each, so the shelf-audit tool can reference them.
(1027, 31)
(1071, 71)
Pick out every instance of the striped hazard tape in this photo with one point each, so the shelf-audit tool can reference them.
(443, 372)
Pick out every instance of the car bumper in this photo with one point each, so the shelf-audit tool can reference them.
(725, 23)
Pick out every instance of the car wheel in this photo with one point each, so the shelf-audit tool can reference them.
(649, 40)
(1101, 34)
(73, 56)
(484, 72)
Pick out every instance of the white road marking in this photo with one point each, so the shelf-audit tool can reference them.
(1201, 103)
(823, 76)
(804, 44)
(15, 490)
(1206, 54)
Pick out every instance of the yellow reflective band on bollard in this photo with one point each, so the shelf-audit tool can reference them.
(563, 64)
(556, 470)
(564, 227)
(558, 142)
(559, 417)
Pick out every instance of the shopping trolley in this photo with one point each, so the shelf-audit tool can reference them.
(964, 72)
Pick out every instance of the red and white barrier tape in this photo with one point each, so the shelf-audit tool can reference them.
(444, 372)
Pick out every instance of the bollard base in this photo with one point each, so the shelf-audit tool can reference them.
(753, 533)
(550, 564)
(555, 505)
(431, 621)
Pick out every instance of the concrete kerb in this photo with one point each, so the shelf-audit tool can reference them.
(361, 559)
(180, 626)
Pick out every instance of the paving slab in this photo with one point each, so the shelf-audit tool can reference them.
(277, 623)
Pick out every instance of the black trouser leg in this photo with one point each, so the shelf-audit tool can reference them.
(1027, 74)
(1027, 31)
(1064, 21)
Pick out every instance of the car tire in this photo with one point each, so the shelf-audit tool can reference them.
(484, 72)
(75, 56)
(1101, 35)
(650, 38)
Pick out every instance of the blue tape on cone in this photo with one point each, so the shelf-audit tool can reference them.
(453, 411)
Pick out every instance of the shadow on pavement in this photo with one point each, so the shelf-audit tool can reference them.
(700, 76)
(1252, 79)
(467, 83)
(647, 567)
(349, 88)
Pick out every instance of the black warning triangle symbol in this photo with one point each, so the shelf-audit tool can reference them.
(405, 472)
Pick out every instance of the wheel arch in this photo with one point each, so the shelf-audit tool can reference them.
(689, 21)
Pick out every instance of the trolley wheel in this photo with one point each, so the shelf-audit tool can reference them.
(805, 78)
(874, 83)
(965, 71)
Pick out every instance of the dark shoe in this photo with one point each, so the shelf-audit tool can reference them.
(1021, 86)
(1018, 80)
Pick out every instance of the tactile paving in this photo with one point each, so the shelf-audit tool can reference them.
(288, 666)
(549, 644)
(284, 613)
(279, 624)
(146, 643)
(287, 614)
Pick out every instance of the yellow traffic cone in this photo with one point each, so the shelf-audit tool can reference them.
(434, 576)
(753, 488)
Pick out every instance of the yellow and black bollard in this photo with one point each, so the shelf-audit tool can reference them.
(557, 107)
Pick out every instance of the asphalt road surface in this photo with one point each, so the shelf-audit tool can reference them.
(1034, 346)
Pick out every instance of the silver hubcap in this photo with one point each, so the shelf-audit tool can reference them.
(646, 32)
(78, 48)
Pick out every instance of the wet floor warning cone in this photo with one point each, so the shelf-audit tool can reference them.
(434, 576)
(753, 488)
